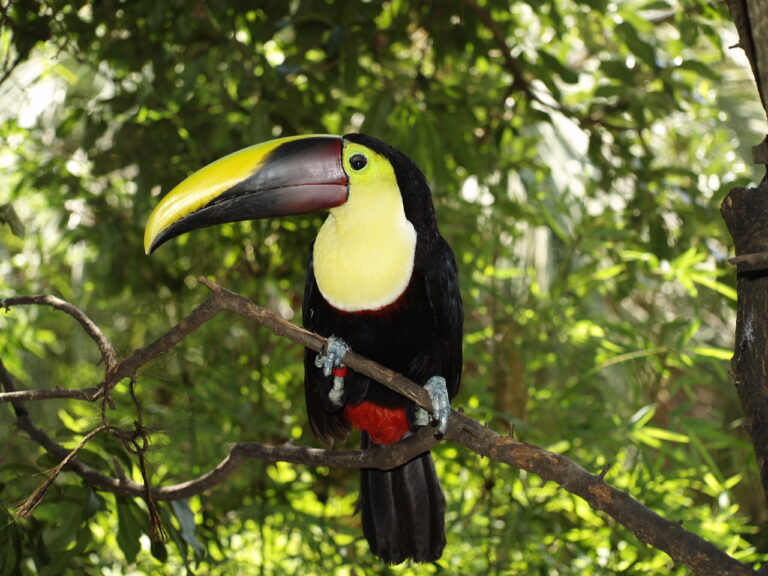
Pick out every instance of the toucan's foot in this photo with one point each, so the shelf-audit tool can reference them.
(331, 355)
(441, 405)
(330, 361)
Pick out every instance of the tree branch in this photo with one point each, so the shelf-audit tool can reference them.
(105, 346)
(87, 394)
(681, 545)
(382, 457)
(745, 211)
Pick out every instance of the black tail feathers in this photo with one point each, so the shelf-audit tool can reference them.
(404, 511)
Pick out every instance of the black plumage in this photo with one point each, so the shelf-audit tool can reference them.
(418, 335)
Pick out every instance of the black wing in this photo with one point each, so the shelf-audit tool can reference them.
(442, 287)
(326, 425)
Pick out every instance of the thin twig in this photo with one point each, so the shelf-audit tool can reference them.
(102, 342)
(87, 394)
(29, 505)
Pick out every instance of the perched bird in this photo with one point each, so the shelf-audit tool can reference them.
(381, 280)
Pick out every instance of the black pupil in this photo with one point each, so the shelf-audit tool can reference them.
(358, 162)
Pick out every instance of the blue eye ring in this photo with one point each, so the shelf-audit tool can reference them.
(358, 161)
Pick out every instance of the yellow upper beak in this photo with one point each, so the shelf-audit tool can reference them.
(292, 175)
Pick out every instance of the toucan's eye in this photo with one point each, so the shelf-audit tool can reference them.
(358, 162)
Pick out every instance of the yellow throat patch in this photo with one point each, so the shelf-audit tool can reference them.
(364, 252)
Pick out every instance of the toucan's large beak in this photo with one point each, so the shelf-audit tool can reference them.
(281, 177)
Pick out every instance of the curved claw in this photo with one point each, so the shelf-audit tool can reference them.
(441, 405)
(332, 355)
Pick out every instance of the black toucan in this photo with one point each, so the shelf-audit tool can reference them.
(380, 280)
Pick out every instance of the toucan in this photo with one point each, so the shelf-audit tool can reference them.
(380, 280)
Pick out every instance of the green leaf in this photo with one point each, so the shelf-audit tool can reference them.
(644, 51)
(643, 416)
(94, 503)
(616, 69)
(131, 524)
(65, 558)
(159, 550)
(711, 352)
(567, 75)
(609, 272)
(10, 545)
(70, 520)
(186, 518)
(700, 69)
(706, 280)
(665, 435)
(689, 32)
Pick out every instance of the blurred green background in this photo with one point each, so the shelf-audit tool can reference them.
(578, 153)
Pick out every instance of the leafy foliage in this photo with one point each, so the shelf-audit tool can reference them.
(578, 153)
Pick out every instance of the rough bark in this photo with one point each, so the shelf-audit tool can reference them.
(745, 211)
